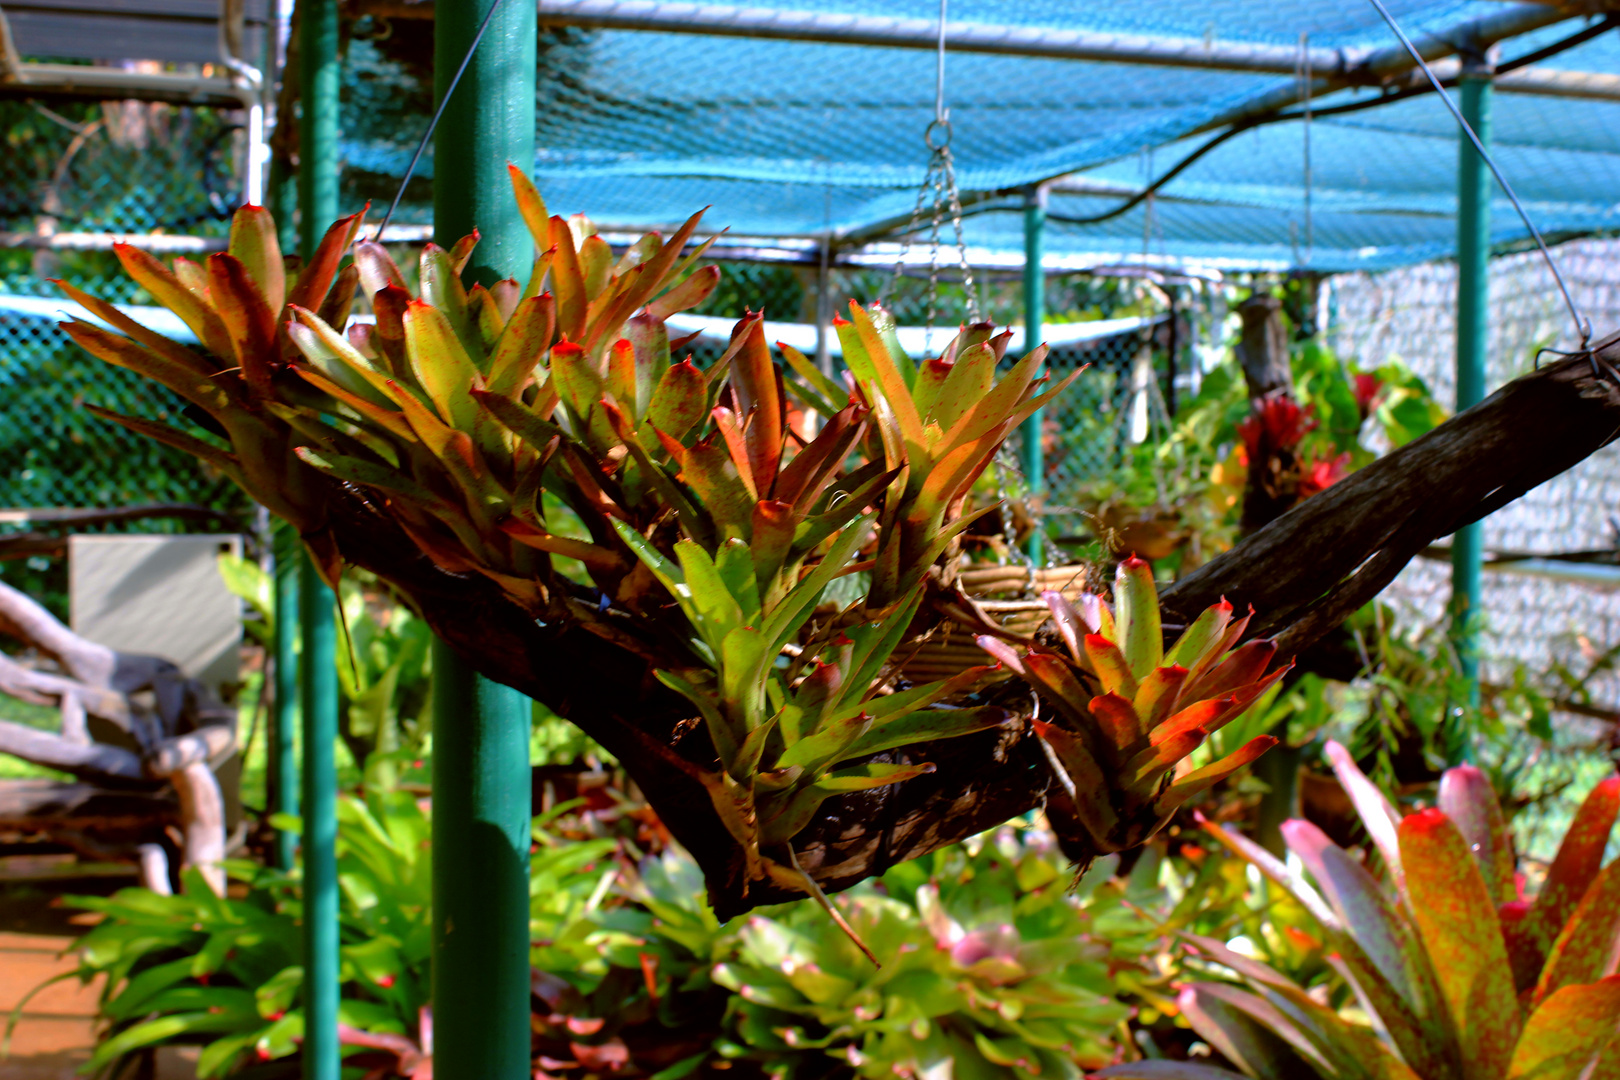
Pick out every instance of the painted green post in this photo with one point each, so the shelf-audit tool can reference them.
(281, 197)
(481, 803)
(319, 683)
(318, 205)
(1034, 464)
(283, 758)
(1473, 308)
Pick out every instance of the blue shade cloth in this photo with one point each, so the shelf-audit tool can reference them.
(792, 138)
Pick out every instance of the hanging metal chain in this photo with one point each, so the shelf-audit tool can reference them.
(941, 196)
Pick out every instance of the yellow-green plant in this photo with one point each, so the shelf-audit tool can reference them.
(709, 529)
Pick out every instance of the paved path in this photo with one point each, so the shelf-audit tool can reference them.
(56, 1031)
(54, 1035)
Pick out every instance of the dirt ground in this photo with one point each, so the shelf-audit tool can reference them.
(55, 1032)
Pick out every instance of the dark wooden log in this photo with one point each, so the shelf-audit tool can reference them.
(1262, 350)
(1304, 572)
(1311, 568)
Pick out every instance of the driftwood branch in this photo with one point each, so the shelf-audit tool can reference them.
(177, 741)
(1308, 570)
(1303, 572)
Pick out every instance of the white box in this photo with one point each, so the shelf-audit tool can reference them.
(158, 595)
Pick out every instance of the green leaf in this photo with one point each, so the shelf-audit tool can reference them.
(717, 609)
(743, 660)
(441, 364)
(1457, 920)
(734, 563)
(1136, 614)
(1567, 1031)
(1197, 639)
(442, 290)
(1590, 939)
(924, 726)
(796, 607)
(872, 774)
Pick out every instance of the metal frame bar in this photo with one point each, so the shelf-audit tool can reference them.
(1343, 67)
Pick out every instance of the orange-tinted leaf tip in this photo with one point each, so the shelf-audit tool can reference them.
(568, 347)
(1225, 604)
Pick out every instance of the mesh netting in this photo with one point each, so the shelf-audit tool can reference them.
(124, 166)
(113, 167)
(804, 139)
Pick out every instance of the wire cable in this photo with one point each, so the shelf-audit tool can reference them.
(1582, 325)
(450, 90)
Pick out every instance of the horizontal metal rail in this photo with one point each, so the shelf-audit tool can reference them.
(1363, 66)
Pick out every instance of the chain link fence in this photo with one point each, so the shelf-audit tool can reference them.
(72, 173)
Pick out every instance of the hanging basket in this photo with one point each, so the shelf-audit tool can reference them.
(1007, 595)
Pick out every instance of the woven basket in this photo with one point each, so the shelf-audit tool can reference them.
(954, 651)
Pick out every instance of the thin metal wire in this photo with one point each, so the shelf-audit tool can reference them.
(449, 91)
(1582, 325)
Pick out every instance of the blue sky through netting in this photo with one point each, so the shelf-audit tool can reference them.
(796, 138)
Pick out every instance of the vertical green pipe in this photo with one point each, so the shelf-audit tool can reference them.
(1034, 464)
(283, 757)
(318, 205)
(281, 199)
(319, 73)
(481, 802)
(1473, 304)
(282, 780)
(319, 683)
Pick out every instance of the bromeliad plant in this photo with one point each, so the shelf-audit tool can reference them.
(1453, 973)
(1131, 713)
(226, 972)
(505, 427)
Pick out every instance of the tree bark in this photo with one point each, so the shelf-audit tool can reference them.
(178, 743)
(1263, 348)
(1304, 573)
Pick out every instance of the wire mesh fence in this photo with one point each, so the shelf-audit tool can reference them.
(1552, 628)
(112, 167)
(118, 166)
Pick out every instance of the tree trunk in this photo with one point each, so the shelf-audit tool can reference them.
(1304, 573)
(1262, 351)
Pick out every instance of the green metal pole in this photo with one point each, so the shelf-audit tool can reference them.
(481, 802)
(1473, 305)
(283, 757)
(281, 199)
(1034, 464)
(318, 205)
(318, 676)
